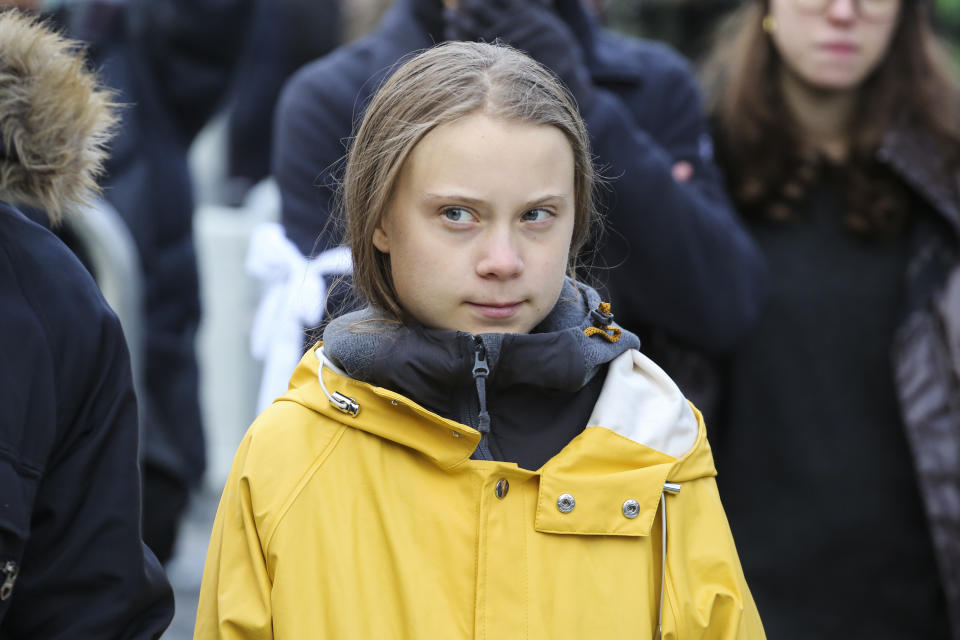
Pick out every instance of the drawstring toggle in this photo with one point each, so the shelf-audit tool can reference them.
(603, 325)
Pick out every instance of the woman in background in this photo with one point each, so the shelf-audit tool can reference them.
(839, 446)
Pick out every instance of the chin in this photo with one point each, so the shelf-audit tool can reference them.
(834, 83)
(835, 79)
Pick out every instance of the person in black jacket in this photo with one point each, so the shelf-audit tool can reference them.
(286, 34)
(677, 260)
(72, 561)
(170, 62)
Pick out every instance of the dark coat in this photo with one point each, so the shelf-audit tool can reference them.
(683, 263)
(926, 350)
(285, 35)
(170, 63)
(69, 482)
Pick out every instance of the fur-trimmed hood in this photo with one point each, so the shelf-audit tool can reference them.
(55, 118)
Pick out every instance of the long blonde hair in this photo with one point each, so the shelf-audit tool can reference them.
(438, 86)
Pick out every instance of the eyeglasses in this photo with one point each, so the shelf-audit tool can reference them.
(868, 9)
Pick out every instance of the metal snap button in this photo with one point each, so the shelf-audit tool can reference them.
(502, 487)
(566, 503)
(631, 509)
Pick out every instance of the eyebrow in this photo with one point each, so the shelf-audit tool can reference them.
(457, 197)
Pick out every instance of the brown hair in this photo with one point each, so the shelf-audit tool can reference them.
(759, 144)
(438, 86)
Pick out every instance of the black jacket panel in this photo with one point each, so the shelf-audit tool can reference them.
(69, 480)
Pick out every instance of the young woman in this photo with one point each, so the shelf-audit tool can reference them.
(838, 124)
(481, 452)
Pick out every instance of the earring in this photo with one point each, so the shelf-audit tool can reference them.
(769, 24)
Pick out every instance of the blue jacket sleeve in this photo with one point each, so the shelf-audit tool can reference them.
(679, 258)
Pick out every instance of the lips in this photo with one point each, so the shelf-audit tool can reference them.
(841, 48)
(496, 310)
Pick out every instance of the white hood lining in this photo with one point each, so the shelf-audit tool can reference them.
(640, 402)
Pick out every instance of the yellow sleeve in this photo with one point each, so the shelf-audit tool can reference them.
(705, 595)
(235, 593)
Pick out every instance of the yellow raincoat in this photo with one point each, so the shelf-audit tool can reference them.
(379, 525)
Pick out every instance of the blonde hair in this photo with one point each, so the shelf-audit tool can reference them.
(435, 87)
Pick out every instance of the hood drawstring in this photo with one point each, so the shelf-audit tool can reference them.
(670, 487)
(344, 403)
(602, 319)
(480, 373)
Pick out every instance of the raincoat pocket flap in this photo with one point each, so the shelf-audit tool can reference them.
(620, 504)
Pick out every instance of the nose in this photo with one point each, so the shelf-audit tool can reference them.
(842, 10)
(499, 256)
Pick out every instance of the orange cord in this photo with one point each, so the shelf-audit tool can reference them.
(614, 334)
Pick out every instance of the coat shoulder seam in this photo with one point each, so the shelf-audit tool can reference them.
(303, 481)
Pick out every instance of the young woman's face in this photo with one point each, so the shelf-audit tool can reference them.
(479, 225)
(833, 44)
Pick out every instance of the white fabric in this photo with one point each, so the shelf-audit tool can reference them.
(640, 402)
(293, 298)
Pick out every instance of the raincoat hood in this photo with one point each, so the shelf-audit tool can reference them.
(381, 351)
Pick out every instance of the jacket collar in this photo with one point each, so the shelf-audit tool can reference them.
(913, 155)
(564, 352)
(620, 456)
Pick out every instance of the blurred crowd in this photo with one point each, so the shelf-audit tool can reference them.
(781, 229)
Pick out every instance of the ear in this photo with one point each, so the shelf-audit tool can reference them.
(380, 239)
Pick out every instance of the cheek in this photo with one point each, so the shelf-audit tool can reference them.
(405, 265)
(877, 46)
(789, 45)
(408, 282)
(562, 258)
(549, 286)
(792, 38)
(415, 266)
(556, 260)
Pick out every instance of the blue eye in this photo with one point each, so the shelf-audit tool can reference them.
(457, 214)
(536, 215)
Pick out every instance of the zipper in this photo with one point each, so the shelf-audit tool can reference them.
(480, 373)
(10, 573)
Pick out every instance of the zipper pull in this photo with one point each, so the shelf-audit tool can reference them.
(480, 373)
(479, 358)
(10, 572)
